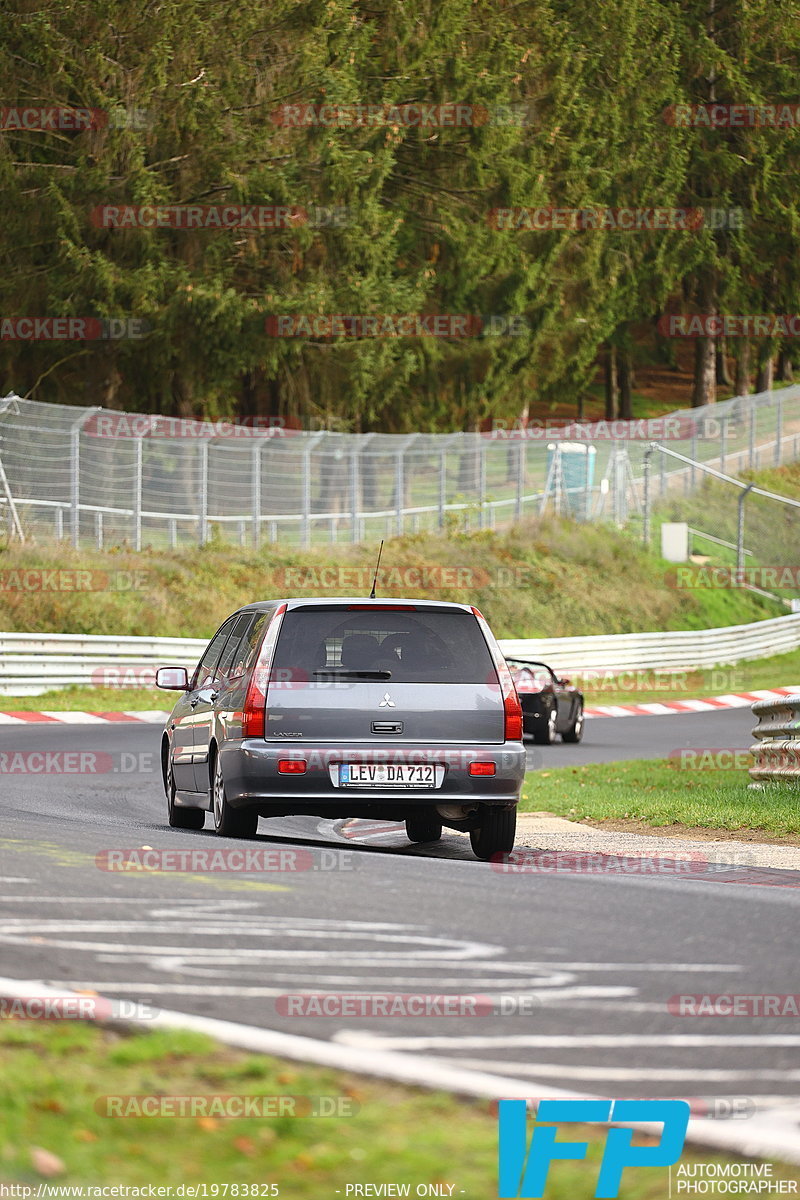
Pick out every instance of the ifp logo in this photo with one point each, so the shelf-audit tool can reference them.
(523, 1170)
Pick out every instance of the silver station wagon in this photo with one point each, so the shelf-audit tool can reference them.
(397, 710)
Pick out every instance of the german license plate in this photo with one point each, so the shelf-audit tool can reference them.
(383, 775)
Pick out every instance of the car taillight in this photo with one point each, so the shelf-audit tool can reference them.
(482, 768)
(254, 713)
(291, 766)
(512, 709)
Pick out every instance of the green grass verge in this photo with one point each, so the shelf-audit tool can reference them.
(661, 792)
(55, 1074)
(88, 699)
(640, 687)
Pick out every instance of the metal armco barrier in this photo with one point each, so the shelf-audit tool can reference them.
(777, 751)
(33, 663)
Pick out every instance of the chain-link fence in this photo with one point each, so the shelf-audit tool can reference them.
(94, 476)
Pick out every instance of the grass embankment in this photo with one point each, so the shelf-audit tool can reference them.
(546, 578)
(702, 790)
(398, 1135)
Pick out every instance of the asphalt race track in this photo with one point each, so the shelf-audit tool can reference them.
(587, 963)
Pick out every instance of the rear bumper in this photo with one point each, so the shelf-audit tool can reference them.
(250, 771)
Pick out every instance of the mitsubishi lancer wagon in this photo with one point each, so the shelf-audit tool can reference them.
(401, 710)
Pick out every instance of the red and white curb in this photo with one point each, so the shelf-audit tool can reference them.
(666, 708)
(772, 1133)
(81, 718)
(662, 708)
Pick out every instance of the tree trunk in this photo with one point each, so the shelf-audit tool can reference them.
(785, 370)
(612, 383)
(743, 368)
(705, 373)
(721, 359)
(765, 374)
(625, 388)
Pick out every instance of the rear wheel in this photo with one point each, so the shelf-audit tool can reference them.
(423, 826)
(180, 818)
(575, 731)
(495, 834)
(545, 733)
(230, 822)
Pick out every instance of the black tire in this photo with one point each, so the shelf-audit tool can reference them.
(180, 818)
(575, 731)
(229, 822)
(495, 835)
(544, 733)
(423, 826)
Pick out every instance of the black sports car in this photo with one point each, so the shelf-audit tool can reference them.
(550, 705)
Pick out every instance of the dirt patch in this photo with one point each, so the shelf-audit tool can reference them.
(701, 834)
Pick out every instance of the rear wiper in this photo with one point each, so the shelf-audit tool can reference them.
(339, 672)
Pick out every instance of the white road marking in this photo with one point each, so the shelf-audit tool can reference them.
(625, 1074)
(559, 1041)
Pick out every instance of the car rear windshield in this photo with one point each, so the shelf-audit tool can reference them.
(425, 646)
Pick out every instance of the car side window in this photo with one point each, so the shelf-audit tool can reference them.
(232, 648)
(248, 646)
(205, 668)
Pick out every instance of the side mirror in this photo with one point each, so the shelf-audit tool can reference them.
(172, 679)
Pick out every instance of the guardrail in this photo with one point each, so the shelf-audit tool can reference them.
(33, 663)
(684, 649)
(777, 751)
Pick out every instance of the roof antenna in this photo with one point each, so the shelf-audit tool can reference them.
(377, 565)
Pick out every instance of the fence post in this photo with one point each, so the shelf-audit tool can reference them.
(137, 496)
(646, 495)
(203, 447)
(521, 474)
(740, 528)
(75, 482)
(693, 456)
(255, 472)
(778, 427)
(354, 494)
(442, 486)
(98, 530)
(751, 459)
(481, 481)
(723, 444)
(399, 487)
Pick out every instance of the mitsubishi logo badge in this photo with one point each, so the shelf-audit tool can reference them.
(387, 701)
